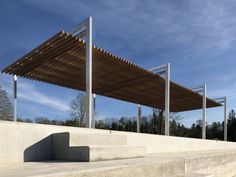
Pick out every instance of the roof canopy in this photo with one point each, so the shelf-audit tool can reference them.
(61, 61)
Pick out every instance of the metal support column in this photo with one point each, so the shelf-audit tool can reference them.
(84, 29)
(15, 98)
(167, 99)
(223, 100)
(94, 111)
(89, 97)
(204, 112)
(202, 89)
(225, 120)
(165, 69)
(139, 114)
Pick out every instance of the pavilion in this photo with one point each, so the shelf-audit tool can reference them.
(66, 60)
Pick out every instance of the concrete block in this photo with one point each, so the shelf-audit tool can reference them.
(85, 147)
(99, 153)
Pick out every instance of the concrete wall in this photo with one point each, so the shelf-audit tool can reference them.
(21, 142)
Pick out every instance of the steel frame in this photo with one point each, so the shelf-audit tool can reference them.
(84, 29)
(223, 100)
(202, 89)
(165, 69)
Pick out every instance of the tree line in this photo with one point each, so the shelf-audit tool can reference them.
(152, 124)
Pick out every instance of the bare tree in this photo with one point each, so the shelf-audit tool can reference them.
(77, 109)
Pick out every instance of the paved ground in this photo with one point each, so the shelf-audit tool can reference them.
(56, 168)
(164, 164)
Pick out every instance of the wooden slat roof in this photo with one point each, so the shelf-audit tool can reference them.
(61, 61)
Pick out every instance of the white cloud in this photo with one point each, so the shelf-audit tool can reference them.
(28, 92)
(187, 27)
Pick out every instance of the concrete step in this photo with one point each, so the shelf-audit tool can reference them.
(96, 147)
(100, 153)
(96, 139)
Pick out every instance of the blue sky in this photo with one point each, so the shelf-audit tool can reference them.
(197, 37)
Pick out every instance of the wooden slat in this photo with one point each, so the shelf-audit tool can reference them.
(61, 61)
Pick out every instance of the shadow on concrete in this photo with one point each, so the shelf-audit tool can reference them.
(56, 147)
(40, 151)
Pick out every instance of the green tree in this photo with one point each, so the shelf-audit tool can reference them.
(6, 109)
(232, 126)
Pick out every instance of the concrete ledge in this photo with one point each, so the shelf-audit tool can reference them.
(35, 140)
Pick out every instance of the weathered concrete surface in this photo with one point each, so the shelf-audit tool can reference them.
(218, 163)
(139, 167)
(193, 175)
(188, 164)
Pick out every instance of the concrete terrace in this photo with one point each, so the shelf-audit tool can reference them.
(48, 150)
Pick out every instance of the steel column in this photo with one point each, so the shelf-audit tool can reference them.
(223, 100)
(15, 98)
(84, 29)
(89, 97)
(94, 111)
(167, 99)
(165, 69)
(225, 119)
(204, 112)
(139, 114)
(202, 89)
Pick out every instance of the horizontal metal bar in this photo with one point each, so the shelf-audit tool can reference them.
(197, 87)
(79, 26)
(158, 68)
(80, 34)
(198, 91)
(219, 99)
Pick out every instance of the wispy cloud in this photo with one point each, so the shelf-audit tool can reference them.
(28, 92)
(186, 27)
